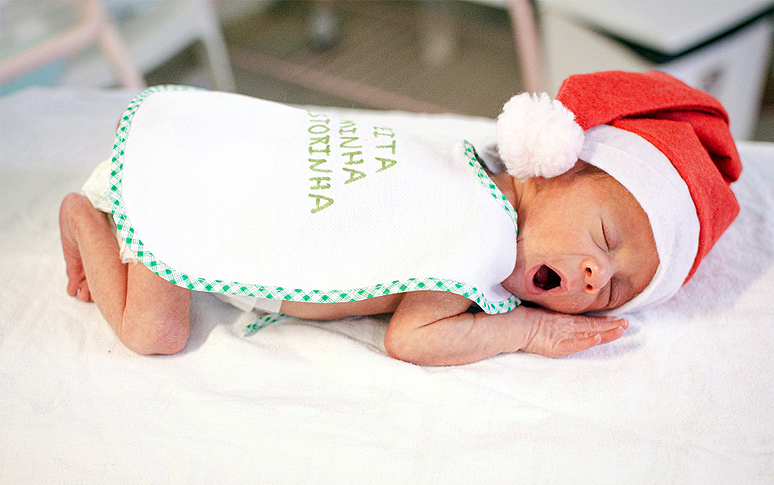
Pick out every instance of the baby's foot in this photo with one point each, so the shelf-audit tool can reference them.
(76, 275)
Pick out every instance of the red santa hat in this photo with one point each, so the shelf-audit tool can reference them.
(666, 142)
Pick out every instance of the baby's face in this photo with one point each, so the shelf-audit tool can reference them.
(584, 245)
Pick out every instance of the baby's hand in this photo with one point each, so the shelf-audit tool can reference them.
(558, 334)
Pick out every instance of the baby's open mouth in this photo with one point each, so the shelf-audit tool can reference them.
(546, 279)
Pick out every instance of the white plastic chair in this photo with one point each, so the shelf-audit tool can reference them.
(155, 32)
(527, 44)
(94, 26)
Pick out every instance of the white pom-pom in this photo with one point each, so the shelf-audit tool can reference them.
(537, 137)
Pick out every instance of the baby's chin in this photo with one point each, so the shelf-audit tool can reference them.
(559, 303)
(562, 306)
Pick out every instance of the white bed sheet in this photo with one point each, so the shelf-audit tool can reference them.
(686, 396)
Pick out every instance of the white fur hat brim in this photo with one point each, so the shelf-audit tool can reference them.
(652, 179)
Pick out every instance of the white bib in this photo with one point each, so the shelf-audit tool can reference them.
(229, 194)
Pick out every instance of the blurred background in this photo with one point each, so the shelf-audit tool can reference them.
(461, 56)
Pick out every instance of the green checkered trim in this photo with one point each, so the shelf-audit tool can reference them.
(276, 292)
(486, 181)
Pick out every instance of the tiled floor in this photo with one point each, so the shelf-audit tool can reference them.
(382, 58)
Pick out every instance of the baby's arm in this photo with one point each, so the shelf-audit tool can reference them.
(432, 328)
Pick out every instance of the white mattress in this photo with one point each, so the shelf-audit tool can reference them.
(686, 396)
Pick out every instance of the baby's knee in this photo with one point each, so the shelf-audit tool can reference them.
(156, 318)
(160, 334)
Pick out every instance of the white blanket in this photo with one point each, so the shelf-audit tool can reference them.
(686, 396)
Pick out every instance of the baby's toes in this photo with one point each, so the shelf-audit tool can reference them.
(83, 293)
(78, 287)
(73, 287)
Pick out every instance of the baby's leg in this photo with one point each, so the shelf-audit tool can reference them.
(149, 315)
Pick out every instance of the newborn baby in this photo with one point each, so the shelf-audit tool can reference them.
(324, 218)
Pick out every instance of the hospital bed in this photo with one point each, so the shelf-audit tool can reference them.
(685, 396)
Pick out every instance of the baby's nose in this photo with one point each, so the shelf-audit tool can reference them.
(595, 275)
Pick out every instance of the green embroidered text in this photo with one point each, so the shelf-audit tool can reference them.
(343, 148)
